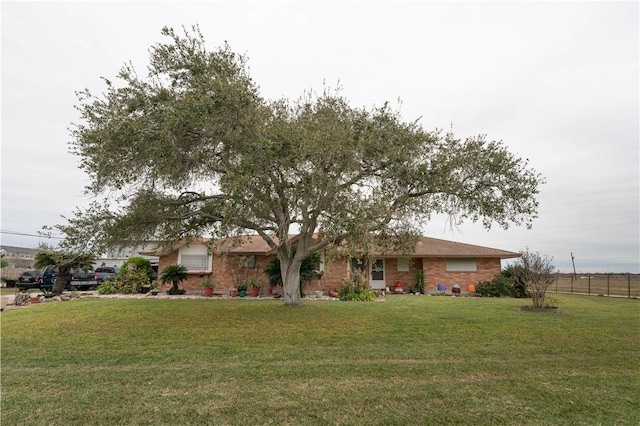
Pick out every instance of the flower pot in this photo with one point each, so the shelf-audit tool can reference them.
(254, 291)
(318, 293)
(333, 294)
(208, 291)
(242, 293)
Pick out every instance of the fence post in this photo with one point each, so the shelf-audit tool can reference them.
(556, 282)
(629, 285)
(608, 294)
(589, 288)
(571, 284)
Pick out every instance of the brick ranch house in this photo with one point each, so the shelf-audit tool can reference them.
(443, 262)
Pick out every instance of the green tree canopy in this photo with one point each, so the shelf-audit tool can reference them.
(193, 149)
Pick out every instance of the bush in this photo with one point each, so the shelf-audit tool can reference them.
(141, 263)
(500, 286)
(356, 288)
(418, 284)
(514, 273)
(134, 279)
(108, 287)
(175, 291)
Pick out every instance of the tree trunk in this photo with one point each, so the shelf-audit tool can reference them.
(60, 283)
(290, 272)
(537, 295)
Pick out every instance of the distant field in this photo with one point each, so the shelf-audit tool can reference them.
(600, 284)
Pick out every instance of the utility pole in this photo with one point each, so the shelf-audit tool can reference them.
(575, 276)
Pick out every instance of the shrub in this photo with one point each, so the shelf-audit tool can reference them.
(175, 291)
(356, 288)
(514, 273)
(141, 263)
(134, 279)
(418, 284)
(308, 270)
(108, 287)
(174, 274)
(500, 286)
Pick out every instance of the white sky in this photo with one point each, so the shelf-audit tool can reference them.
(557, 82)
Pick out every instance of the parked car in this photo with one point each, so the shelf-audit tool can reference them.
(49, 277)
(31, 278)
(90, 279)
(106, 273)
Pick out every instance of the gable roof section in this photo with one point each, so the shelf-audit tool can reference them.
(166, 249)
(246, 244)
(426, 247)
(434, 247)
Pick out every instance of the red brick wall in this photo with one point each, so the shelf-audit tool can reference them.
(435, 272)
(407, 278)
(228, 271)
(334, 274)
(338, 271)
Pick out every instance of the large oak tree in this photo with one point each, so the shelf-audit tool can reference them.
(193, 149)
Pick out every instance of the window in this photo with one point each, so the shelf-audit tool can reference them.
(377, 270)
(403, 264)
(249, 261)
(358, 265)
(195, 262)
(461, 265)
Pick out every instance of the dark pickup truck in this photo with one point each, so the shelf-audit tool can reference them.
(49, 277)
(76, 280)
(89, 280)
(31, 278)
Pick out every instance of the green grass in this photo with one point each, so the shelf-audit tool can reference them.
(409, 360)
(12, 291)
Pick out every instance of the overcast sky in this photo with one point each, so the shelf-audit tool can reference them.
(557, 82)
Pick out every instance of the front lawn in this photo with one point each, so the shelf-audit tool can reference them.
(409, 360)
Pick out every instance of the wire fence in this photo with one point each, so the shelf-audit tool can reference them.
(610, 285)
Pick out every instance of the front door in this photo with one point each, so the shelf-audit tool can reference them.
(377, 274)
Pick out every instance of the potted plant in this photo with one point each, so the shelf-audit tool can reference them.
(242, 290)
(254, 287)
(208, 285)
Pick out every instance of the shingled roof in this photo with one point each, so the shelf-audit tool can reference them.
(426, 247)
(434, 247)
